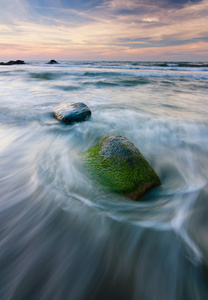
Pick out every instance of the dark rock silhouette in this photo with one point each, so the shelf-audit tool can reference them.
(71, 112)
(13, 62)
(52, 61)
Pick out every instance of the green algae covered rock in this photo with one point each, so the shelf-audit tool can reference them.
(118, 164)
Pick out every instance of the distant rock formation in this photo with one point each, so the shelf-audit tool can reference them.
(52, 61)
(71, 112)
(13, 62)
(119, 166)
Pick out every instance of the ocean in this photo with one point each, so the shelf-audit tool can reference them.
(64, 237)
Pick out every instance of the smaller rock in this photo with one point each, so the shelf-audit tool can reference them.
(52, 61)
(71, 112)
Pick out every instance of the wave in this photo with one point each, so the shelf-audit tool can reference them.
(172, 64)
(101, 83)
(44, 75)
(100, 73)
(193, 65)
(142, 65)
(49, 75)
(165, 67)
(11, 72)
(110, 70)
(124, 83)
(148, 73)
(67, 88)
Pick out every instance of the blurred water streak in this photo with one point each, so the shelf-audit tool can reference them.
(64, 237)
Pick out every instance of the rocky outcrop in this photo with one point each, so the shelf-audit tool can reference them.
(71, 112)
(118, 164)
(52, 62)
(12, 62)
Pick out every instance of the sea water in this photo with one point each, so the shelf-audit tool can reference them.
(62, 236)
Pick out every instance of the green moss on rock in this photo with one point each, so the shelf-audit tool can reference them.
(118, 164)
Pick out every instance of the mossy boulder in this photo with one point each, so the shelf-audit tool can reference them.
(71, 112)
(118, 164)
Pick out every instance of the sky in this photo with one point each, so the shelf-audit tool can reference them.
(142, 30)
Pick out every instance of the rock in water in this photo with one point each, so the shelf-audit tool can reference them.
(119, 165)
(52, 61)
(13, 62)
(71, 112)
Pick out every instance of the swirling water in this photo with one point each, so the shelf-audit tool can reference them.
(64, 237)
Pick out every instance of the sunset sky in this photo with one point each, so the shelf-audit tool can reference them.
(162, 30)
